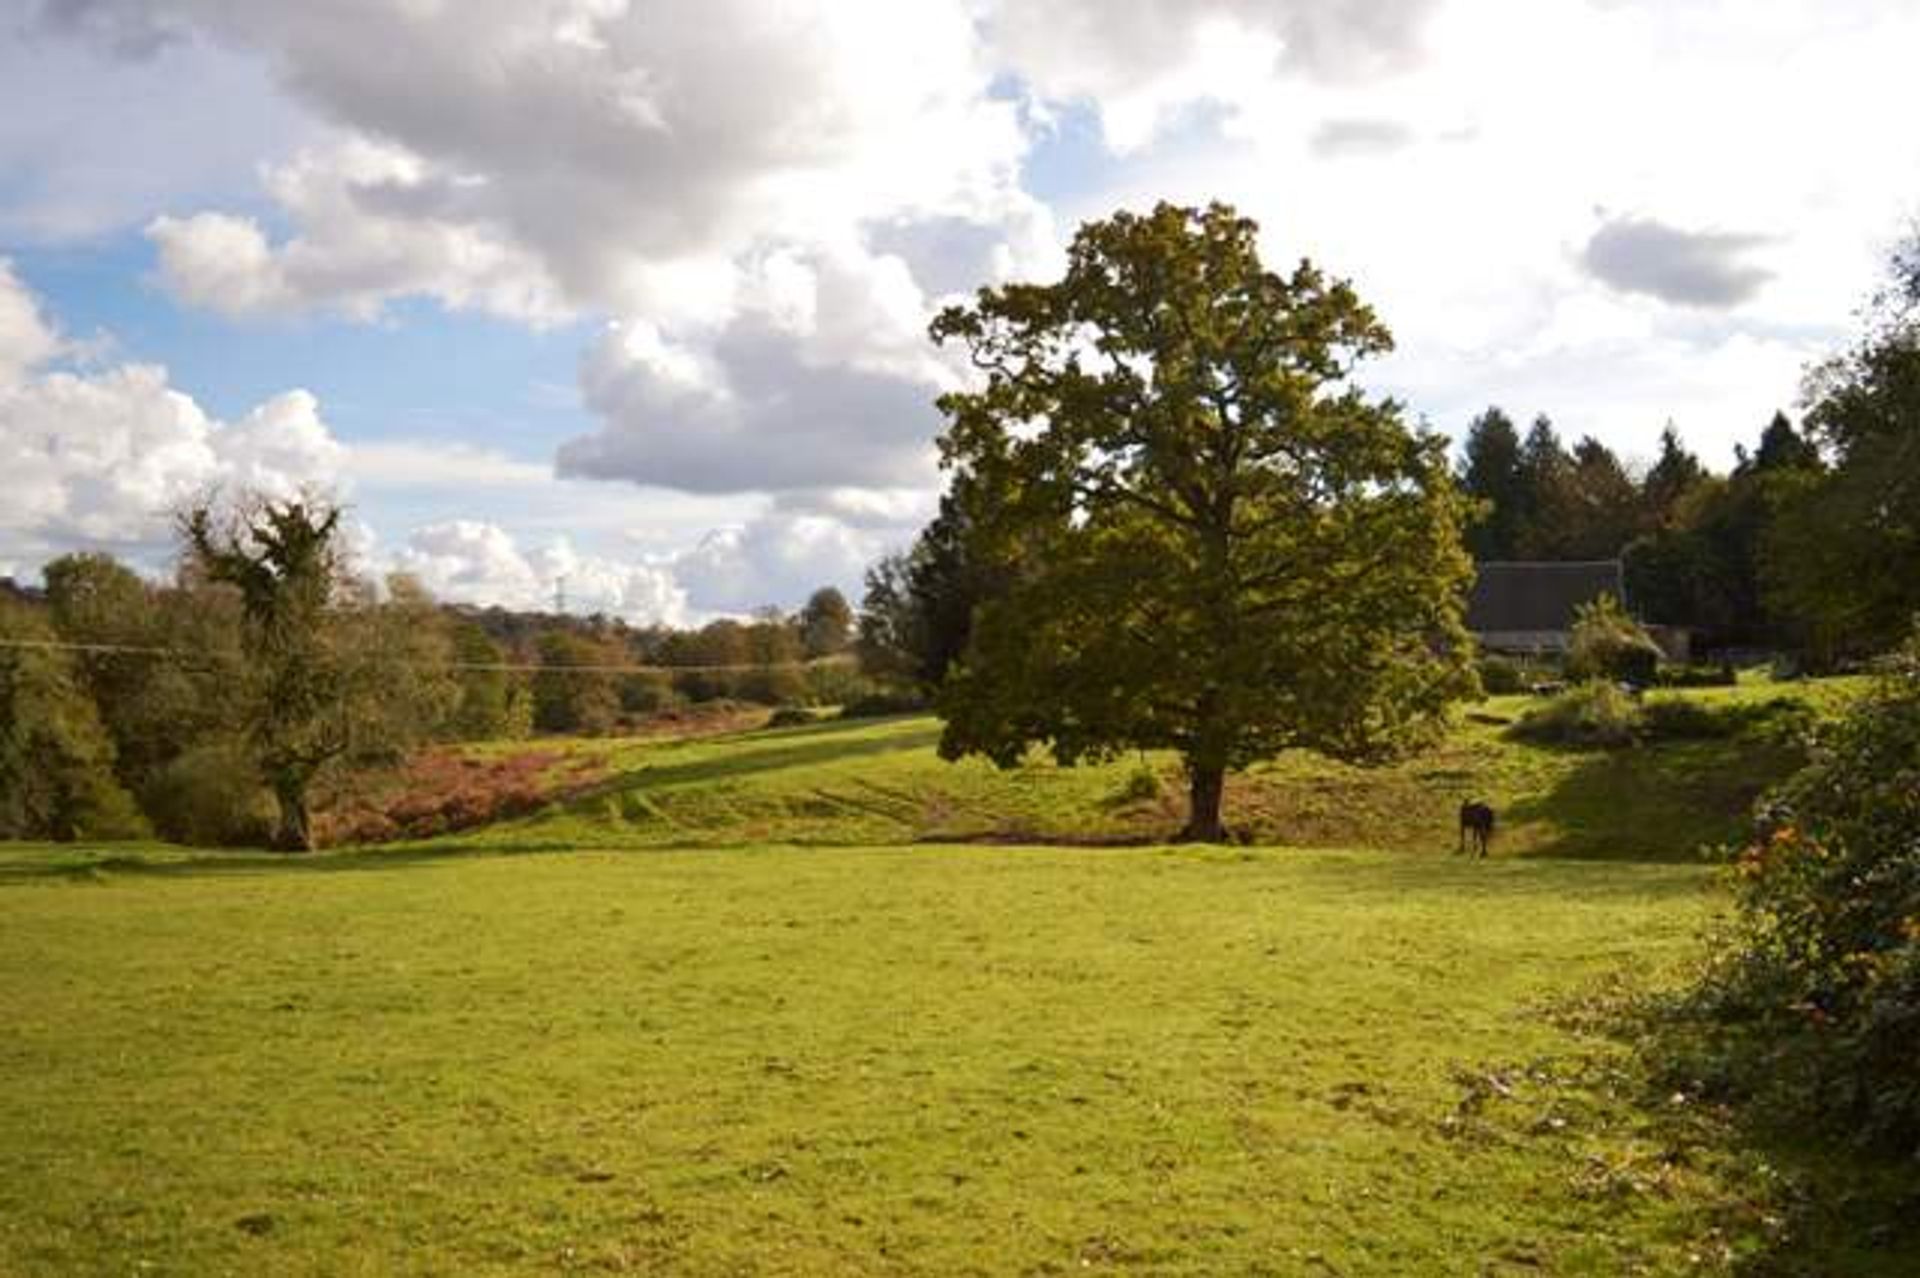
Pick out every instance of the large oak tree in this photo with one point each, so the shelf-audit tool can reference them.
(1211, 540)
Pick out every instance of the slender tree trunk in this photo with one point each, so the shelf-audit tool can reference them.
(296, 828)
(1206, 787)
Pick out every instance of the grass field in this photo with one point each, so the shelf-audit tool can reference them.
(936, 1060)
(596, 1040)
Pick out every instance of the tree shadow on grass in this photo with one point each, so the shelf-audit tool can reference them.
(1652, 803)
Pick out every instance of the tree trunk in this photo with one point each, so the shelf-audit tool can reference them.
(296, 829)
(1206, 787)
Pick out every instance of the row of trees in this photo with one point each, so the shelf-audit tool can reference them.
(214, 707)
(1809, 543)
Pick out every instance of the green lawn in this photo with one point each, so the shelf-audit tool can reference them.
(698, 1022)
(936, 1060)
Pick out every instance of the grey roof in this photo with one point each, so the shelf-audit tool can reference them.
(1538, 596)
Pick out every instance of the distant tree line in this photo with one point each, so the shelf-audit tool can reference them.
(223, 705)
(1811, 542)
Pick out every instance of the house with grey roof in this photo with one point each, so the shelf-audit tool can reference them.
(1530, 607)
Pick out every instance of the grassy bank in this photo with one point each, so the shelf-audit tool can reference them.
(880, 782)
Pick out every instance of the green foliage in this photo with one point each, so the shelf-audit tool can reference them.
(647, 693)
(884, 702)
(1704, 562)
(1212, 541)
(1866, 510)
(56, 759)
(209, 797)
(835, 683)
(284, 559)
(1820, 998)
(1697, 676)
(917, 615)
(1595, 714)
(1490, 473)
(825, 623)
(154, 708)
(569, 693)
(490, 705)
(1608, 644)
(1598, 714)
(1500, 676)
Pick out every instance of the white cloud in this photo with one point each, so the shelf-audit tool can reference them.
(100, 459)
(764, 203)
(826, 378)
(26, 338)
(1141, 62)
(469, 561)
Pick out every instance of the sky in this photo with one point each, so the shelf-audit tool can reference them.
(634, 293)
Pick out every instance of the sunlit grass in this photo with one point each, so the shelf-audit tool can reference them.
(927, 1060)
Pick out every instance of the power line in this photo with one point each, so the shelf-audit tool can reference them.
(505, 667)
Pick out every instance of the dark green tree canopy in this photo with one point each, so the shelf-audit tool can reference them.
(1212, 540)
(1490, 472)
(826, 622)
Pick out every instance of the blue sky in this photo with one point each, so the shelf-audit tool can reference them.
(638, 295)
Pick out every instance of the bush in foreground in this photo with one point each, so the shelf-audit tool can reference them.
(1818, 1004)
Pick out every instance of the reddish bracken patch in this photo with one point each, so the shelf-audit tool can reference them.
(442, 791)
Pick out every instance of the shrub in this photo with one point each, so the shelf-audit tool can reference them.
(835, 683)
(1721, 676)
(789, 717)
(1783, 719)
(770, 685)
(1142, 785)
(877, 705)
(1608, 644)
(647, 693)
(1819, 1001)
(211, 797)
(1594, 714)
(1501, 676)
(1684, 719)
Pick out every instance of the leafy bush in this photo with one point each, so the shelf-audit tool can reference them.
(211, 797)
(770, 685)
(1594, 714)
(1608, 644)
(1674, 718)
(1721, 676)
(647, 693)
(1142, 785)
(876, 705)
(1819, 1002)
(836, 683)
(1501, 676)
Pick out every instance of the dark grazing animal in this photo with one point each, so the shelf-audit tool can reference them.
(1476, 827)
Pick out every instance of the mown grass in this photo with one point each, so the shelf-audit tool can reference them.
(693, 1051)
(946, 1060)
